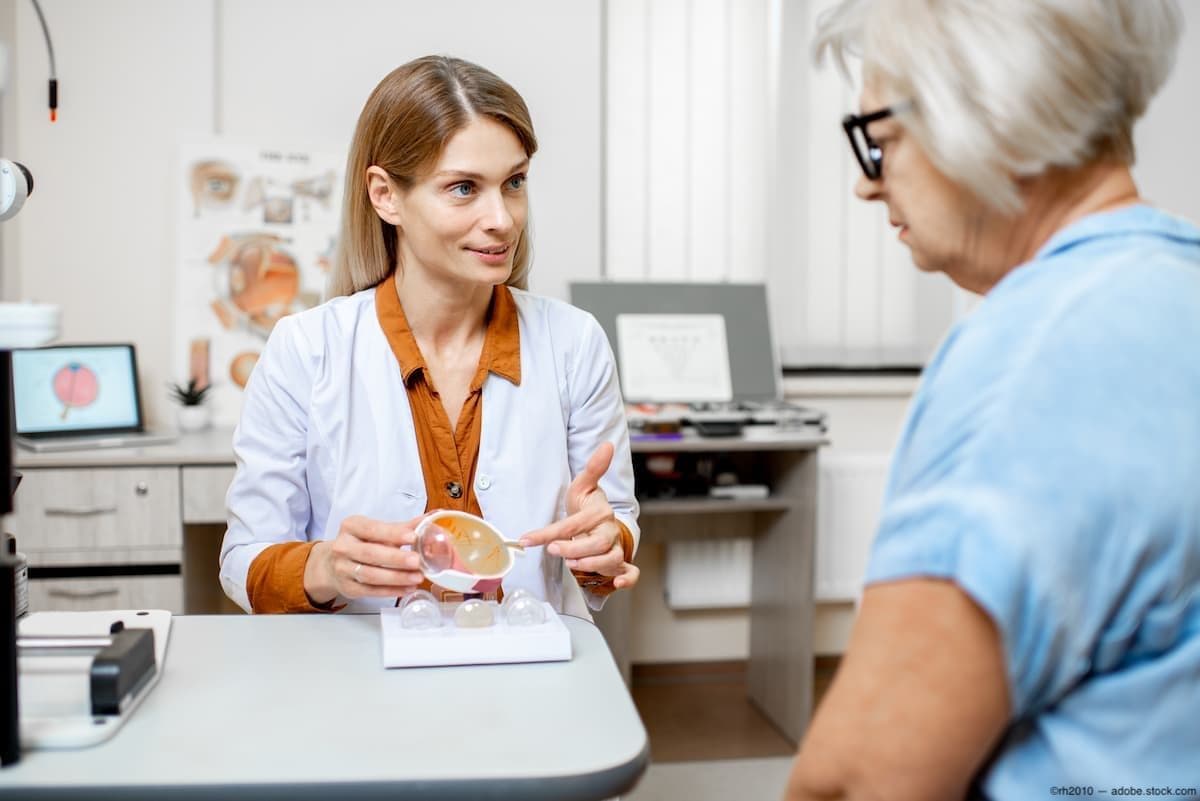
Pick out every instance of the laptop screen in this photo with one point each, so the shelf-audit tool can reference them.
(75, 389)
(743, 329)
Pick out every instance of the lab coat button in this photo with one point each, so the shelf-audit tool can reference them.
(483, 482)
(454, 489)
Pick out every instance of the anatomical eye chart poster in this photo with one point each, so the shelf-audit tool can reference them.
(257, 230)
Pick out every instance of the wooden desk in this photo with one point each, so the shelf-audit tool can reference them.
(108, 523)
(300, 707)
(105, 528)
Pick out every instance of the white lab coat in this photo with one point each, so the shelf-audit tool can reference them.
(326, 432)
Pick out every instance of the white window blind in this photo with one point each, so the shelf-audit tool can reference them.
(725, 161)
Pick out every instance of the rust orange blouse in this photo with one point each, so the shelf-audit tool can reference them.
(275, 582)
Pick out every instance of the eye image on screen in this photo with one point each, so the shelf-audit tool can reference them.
(75, 385)
(75, 388)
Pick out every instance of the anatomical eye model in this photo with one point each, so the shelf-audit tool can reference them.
(462, 552)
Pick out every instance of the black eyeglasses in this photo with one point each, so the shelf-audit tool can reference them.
(866, 150)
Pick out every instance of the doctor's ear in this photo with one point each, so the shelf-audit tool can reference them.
(384, 196)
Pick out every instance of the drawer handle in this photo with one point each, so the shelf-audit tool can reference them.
(82, 595)
(90, 511)
(142, 488)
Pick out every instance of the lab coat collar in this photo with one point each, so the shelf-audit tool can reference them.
(501, 345)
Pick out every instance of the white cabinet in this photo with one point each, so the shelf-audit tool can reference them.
(72, 523)
(108, 528)
(117, 515)
(107, 592)
(204, 490)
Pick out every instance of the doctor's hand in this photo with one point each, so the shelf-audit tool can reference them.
(589, 537)
(366, 559)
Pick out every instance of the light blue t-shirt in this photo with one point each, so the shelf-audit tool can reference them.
(1050, 466)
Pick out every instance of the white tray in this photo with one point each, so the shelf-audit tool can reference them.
(54, 693)
(450, 645)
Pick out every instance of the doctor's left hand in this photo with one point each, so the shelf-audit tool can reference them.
(589, 537)
(367, 558)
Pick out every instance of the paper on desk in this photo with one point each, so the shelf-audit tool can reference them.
(674, 357)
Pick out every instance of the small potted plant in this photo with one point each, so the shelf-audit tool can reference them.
(193, 414)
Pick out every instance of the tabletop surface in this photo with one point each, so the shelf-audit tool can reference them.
(301, 705)
(214, 447)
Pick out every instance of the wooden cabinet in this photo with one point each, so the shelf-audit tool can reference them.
(91, 534)
(118, 515)
(204, 490)
(107, 592)
(106, 528)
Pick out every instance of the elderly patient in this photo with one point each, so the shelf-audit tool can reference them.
(1031, 619)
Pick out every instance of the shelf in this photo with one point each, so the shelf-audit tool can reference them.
(758, 438)
(692, 506)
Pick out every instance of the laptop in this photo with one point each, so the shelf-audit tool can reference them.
(753, 371)
(73, 397)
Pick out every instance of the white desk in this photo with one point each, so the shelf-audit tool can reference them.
(184, 484)
(211, 447)
(299, 707)
(783, 529)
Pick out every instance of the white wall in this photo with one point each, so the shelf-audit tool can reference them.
(866, 414)
(97, 236)
(726, 162)
(1167, 171)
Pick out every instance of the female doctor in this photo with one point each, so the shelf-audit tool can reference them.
(431, 380)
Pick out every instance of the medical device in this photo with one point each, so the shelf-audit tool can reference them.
(22, 325)
(16, 184)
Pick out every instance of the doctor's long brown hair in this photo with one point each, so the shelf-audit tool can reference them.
(403, 128)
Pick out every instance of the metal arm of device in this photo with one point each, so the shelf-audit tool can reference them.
(22, 325)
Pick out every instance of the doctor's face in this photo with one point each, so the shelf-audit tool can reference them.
(462, 220)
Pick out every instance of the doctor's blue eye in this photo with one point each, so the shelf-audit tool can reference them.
(463, 189)
(517, 181)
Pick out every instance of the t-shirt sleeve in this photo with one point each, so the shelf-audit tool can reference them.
(985, 540)
(1013, 491)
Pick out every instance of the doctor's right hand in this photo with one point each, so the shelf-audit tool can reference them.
(366, 559)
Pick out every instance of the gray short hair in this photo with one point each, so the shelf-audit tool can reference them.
(1003, 89)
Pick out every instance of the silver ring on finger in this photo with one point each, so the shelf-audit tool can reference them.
(357, 571)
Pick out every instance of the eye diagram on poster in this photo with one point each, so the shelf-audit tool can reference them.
(257, 233)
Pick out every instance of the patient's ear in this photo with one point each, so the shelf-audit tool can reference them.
(384, 195)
